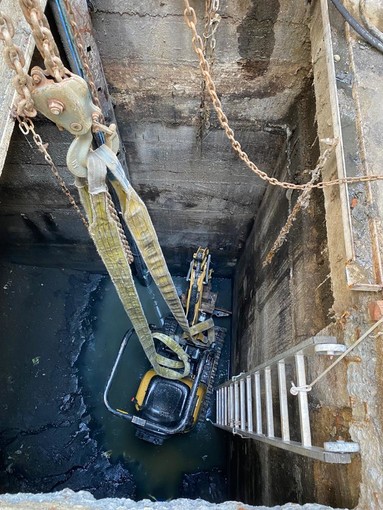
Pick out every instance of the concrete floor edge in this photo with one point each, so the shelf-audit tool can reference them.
(83, 500)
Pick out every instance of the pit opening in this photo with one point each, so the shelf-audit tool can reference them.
(62, 321)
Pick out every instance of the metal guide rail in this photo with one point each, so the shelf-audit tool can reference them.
(244, 405)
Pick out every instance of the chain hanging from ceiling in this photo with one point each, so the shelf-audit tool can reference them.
(198, 45)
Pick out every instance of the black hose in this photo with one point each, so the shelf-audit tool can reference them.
(359, 29)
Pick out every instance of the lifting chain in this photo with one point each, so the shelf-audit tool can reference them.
(15, 61)
(199, 48)
(212, 19)
(43, 38)
(121, 233)
(54, 66)
(84, 61)
(27, 126)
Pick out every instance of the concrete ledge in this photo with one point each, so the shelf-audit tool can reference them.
(66, 499)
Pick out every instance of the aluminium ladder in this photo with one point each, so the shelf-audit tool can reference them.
(241, 402)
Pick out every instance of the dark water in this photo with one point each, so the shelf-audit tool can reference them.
(158, 471)
(61, 330)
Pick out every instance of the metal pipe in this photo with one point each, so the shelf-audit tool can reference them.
(64, 30)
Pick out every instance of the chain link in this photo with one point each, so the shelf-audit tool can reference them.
(84, 57)
(15, 60)
(27, 126)
(23, 84)
(198, 46)
(212, 19)
(44, 39)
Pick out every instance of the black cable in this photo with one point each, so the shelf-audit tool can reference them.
(359, 29)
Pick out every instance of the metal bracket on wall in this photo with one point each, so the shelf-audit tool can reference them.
(245, 404)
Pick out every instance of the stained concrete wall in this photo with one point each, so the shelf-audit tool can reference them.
(277, 307)
(311, 289)
(196, 189)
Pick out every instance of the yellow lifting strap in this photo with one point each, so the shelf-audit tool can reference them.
(104, 229)
(141, 227)
(64, 98)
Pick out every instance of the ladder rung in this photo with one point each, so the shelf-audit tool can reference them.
(219, 406)
(303, 401)
(249, 399)
(258, 401)
(269, 403)
(285, 427)
(242, 396)
(224, 406)
(236, 404)
(231, 410)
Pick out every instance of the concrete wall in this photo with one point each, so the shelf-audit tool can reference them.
(196, 189)
(323, 281)
(277, 307)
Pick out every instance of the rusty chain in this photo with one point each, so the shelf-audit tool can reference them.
(15, 60)
(27, 126)
(198, 46)
(301, 203)
(43, 38)
(54, 66)
(84, 57)
(212, 19)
